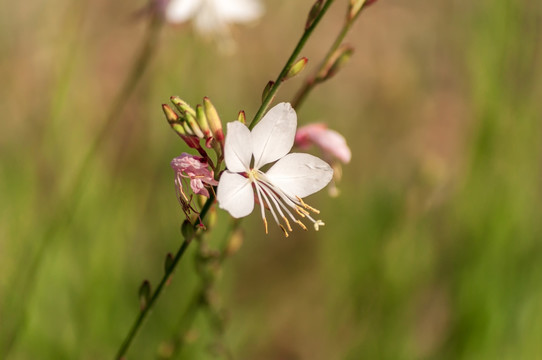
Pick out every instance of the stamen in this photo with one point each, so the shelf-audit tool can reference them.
(284, 230)
(308, 206)
(301, 224)
(261, 207)
(284, 201)
(279, 201)
(302, 212)
(287, 223)
(264, 194)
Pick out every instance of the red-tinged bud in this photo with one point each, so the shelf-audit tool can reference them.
(242, 117)
(174, 120)
(171, 116)
(191, 120)
(313, 14)
(214, 120)
(192, 142)
(182, 128)
(202, 121)
(296, 68)
(209, 142)
(182, 106)
(267, 89)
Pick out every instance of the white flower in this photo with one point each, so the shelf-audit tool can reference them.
(283, 186)
(213, 16)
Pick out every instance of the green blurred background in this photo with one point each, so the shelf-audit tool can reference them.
(432, 251)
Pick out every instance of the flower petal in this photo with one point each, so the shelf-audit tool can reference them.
(300, 174)
(235, 194)
(273, 136)
(179, 11)
(239, 10)
(238, 147)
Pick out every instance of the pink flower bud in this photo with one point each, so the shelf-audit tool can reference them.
(330, 142)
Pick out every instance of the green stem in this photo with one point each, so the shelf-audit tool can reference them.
(313, 80)
(265, 103)
(196, 304)
(271, 94)
(69, 202)
(143, 313)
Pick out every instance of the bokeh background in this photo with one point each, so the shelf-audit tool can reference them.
(432, 251)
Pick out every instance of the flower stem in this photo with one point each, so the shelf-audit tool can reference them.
(306, 34)
(311, 82)
(198, 303)
(144, 312)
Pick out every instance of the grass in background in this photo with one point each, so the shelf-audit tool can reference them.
(432, 250)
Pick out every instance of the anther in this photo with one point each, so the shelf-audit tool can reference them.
(306, 206)
(284, 230)
(287, 223)
(301, 224)
(301, 211)
(265, 223)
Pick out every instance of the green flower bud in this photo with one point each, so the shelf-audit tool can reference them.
(202, 121)
(214, 120)
(187, 128)
(242, 117)
(171, 115)
(315, 11)
(191, 120)
(182, 106)
(296, 68)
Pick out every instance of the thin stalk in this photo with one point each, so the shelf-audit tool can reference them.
(69, 202)
(312, 80)
(196, 304)
(143, 313)
(265, 103)
(271, 94)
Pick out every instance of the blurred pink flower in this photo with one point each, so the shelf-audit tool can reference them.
(332, 144)
(197, 170)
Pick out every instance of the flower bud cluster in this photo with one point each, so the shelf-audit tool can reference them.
(193, 125)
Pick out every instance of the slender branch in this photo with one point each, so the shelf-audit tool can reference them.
(144, 312)
(196, 303)
(271, 94)
(69, 202)
(313, 80)
(265, 103)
